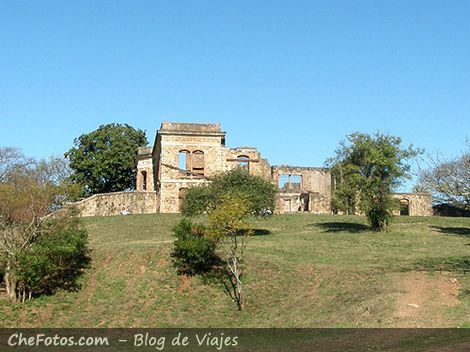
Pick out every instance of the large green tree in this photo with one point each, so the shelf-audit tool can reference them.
(366, 170)
(105, 160)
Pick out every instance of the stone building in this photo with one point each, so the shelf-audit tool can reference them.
(185, 155)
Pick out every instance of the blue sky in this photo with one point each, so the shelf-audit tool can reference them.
(290, 77)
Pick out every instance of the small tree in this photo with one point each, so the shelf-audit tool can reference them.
(229, 227)
(260, 193)
(105, 160)
(374, 165)
(27, 199)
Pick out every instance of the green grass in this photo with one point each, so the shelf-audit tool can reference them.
(302, 271)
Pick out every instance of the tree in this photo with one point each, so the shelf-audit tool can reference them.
(54, 261)
(261, 193)
(27, 200)
(228, 226)
(447, 180)
(229, 200)
(366, 170)
(56, 171)
(105, 160)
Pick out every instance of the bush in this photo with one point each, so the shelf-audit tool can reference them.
(193, 253)
(203, 199)
(198, 200)
(55, 261)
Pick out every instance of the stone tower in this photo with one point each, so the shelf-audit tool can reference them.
(185, 155)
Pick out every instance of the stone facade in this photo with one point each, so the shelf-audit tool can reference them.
(185, 155)
(302, 189)
(414, 204)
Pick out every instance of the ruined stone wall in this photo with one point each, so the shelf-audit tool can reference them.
(315, 181)
(288, 203)
(107, 204)
(320, 203)
(256, 165)
(420, 204)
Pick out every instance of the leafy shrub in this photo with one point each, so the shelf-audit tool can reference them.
(193, 253)
(198, 200)
(203, 199)
(55, 261)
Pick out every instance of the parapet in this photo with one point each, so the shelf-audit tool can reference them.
(191, 128)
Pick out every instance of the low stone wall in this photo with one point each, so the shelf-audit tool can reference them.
(418, 204)
(107, 204)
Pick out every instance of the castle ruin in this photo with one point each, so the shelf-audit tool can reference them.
(186, 155)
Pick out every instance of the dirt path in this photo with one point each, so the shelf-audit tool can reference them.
(424, 299)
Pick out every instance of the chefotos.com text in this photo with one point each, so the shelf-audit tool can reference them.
(18, 339)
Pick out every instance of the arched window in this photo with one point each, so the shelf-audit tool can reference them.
(184, 161)
(197, 161)
(243, 162)
(144, 180)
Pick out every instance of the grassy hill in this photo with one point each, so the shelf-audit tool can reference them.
(302, 271)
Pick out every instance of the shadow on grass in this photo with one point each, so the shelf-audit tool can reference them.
(220, 277)
(452, 264)
(350, 227)
(458, 231)
(261, 232)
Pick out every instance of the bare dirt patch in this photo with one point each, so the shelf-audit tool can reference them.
(424, 299)
(185, 284)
